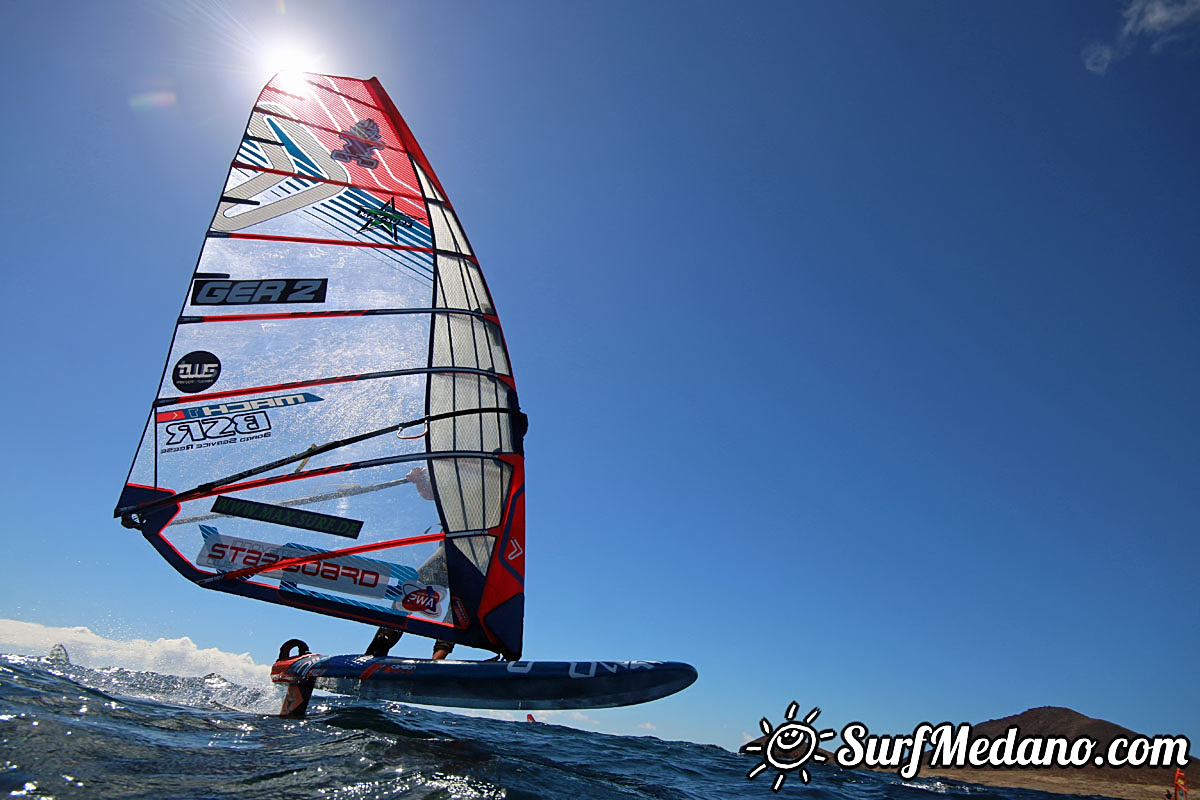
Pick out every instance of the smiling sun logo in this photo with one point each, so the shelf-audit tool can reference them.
(790, 746)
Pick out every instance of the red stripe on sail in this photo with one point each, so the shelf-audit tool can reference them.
(265, 237)
(280, 315)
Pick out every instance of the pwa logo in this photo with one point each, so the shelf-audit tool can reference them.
(419, 598)
(196, 371)
(199, 430)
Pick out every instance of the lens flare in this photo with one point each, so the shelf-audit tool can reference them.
(148, 100)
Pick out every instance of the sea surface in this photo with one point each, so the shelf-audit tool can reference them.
(68, 731)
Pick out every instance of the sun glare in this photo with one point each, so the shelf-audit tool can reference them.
(290, 61)
(292, 82)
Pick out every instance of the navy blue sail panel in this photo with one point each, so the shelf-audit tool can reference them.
(337, 427)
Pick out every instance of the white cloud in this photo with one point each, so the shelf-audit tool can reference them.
(1160, 18)
(165, 656)
(647, 726)
(1150, 23)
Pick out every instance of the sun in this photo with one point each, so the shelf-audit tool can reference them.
(790, 746)
(290, 56)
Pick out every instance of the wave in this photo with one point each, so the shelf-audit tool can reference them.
(72, 731)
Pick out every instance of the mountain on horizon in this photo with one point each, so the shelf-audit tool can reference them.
(1070, 724)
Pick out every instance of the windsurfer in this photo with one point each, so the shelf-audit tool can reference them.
(432, 571)
(419, 478)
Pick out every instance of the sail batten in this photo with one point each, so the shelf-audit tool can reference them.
(368, 376)
(336, 304)
(266, 237)
(350, 312)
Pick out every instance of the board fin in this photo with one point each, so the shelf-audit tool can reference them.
(299, 687)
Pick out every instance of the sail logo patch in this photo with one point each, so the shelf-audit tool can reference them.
(204, 430)
(292, 517)
(362, 140)
(421, 599)
(240, 407)
(208, 292)
(196, 371)
(515, 550)
(347, 574)
(461, 618)
(385, 216)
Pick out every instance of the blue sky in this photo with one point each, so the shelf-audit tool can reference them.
(858, 340)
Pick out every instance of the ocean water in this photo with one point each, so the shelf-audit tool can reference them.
(67, 731)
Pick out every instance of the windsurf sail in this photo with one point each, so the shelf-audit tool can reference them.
(336, 427)
(1180, 785)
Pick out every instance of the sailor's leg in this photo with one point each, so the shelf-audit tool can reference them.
(441, 649)
(384, 639)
